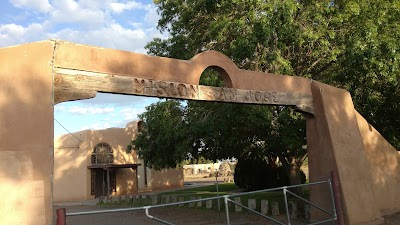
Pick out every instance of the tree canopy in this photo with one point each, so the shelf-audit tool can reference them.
(349, 44)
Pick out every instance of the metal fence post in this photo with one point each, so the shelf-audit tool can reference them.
(61, 216)
(286, 204)
(337, 197)
(227, 210)
(61, 213)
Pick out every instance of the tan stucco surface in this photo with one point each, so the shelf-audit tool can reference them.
(26, 134)
(71, 55)
(73, 156)
(384, 162)
(126, 182)
(338, 138)
(70, 168)
(167, 178)
(335, 143)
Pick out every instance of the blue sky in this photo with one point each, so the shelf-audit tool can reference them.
(118, 24)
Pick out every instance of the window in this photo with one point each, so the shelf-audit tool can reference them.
(102, 153)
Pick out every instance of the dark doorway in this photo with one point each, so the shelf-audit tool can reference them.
(99, 184)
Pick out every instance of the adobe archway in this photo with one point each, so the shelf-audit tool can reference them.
(36, 76)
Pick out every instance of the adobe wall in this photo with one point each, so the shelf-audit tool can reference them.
(110, 61)
(71, 176)
(26, 134)
(335, 143)
(118, 139)
(384, 162)
(166, 178)
(72, 157)
(338, 139)
(126, 182)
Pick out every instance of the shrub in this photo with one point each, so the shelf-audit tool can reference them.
(257, 173)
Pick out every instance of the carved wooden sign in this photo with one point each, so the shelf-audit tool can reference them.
(66, 83)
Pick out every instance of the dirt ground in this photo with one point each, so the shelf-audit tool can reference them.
(178, 216)
(173, 215)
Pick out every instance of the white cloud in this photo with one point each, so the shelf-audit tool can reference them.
(123, 117)
(112, 36)
(151, 16)
(118, 7)
(11, 34)
(69, 11)
(96, 126)
(88, 22)
(59, 108)
(42, 6)
(95, 4)
(117, 99)
(90, 110)
(131, 113)
(119, 24)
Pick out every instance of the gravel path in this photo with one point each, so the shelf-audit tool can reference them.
(178, 216)
(174, 215)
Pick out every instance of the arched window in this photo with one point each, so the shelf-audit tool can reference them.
(102, 153)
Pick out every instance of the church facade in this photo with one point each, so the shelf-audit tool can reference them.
(93, 163)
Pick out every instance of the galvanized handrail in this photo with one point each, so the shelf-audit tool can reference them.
(226, 200)
(251, 210)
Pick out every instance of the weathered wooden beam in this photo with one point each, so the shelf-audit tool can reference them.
(68, 83)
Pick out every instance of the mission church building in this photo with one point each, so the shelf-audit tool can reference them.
(93, 163)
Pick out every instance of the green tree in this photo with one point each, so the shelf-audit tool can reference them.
(369, 66)
(162, 142)
(288, 142)
(349, 44)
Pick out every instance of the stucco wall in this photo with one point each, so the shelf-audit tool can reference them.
(384, 162)
(336, 144)
(117, 138)
(126, 182)
(144, 179)
(26, 134)
(337, 138)
(72, 157)
(166, 178)
(70, 168)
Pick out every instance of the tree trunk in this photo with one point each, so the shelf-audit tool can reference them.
(294, 177)
(292, 167)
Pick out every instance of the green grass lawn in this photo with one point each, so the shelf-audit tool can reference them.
(231, 188)
(227, 189)
(224, 188)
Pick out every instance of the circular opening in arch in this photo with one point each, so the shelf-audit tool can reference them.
(216, 77)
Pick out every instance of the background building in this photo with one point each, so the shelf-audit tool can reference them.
(201, 169)
(93, 163)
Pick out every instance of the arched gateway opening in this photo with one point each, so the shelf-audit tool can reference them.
(35, 77)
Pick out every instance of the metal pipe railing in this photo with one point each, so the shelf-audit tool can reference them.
(61, 213)
(286, 205)
(251, 210)
(146, 209)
